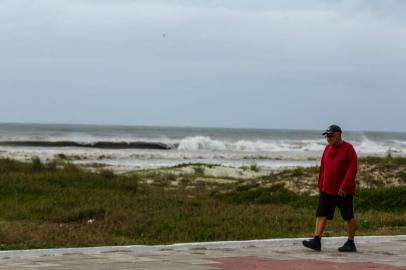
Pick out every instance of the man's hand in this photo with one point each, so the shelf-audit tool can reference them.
(342, 192)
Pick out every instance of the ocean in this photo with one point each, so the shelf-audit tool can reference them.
(125, 148)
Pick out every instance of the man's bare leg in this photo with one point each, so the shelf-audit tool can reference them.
(351, 227)
(320, 225)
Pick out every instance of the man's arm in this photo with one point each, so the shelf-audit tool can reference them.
(348, 183)
(321, 173)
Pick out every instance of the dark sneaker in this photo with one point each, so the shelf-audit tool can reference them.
(313, 243)
(349, 246)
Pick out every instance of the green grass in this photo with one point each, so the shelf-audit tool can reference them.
(274, 195)
(199, 171)
(61, 205)
(254, 167)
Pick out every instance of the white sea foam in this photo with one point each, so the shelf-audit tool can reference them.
(363, 144)
(367, 146)
(226, 147)
(201, 143)
(84, 138)
(246, 145)
(398, 142)
(128, 165)
(206, 143)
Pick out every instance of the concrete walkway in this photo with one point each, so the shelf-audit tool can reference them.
(378, 253)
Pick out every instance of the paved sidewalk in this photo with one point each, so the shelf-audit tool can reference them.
(376, 253)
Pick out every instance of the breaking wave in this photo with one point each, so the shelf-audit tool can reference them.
(363, 144)
(102, 144)
(201, 143)
(206, 143)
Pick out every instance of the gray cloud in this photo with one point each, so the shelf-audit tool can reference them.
(253, 63)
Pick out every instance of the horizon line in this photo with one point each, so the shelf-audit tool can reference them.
(184, 126)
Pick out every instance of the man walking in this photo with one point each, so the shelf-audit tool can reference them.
(336, 184)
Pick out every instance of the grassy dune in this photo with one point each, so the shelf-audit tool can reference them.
(60, 205)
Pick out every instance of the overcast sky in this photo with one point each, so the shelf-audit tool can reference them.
(258, 63)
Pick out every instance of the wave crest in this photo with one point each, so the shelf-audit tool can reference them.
(206, 143)
(101, 144)
(201, 143)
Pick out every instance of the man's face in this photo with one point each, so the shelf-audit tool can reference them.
(334, 139)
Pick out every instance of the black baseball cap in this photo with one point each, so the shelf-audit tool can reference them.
(331, 129)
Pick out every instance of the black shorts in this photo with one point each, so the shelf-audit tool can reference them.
(328, 203)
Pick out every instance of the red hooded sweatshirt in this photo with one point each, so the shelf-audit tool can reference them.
(338, 169)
